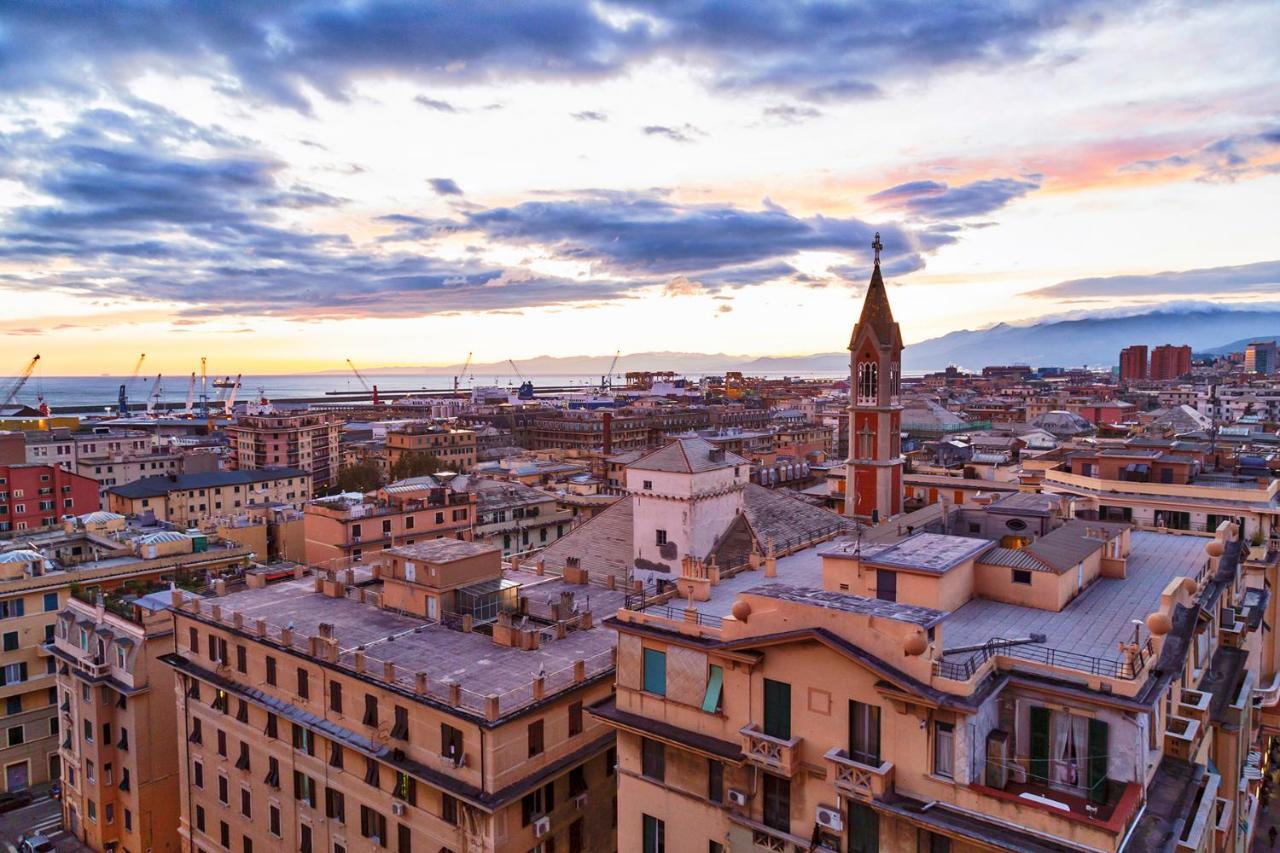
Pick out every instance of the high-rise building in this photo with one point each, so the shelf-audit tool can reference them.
(874, 466)
(308, 441)
(1170, 362)
(1260, 357)
(1133, 363)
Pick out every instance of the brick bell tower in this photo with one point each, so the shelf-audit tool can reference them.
(873, 472)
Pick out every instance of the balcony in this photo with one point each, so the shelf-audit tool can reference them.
(1194, 705)
(1182, 738)
(1198, 830)
(771, 753)
(858, 780)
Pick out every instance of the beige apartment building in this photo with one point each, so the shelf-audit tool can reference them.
(94, 551)
(1091, 688)
(456, 448)
(117, 718)
(425, 700)
(309, 441)
(402, 513)
(193, 500)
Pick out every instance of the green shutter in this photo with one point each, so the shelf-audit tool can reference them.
(1040, 744)
(655, 672)
(864, 828)
(777, 709)
(1099, 733)
(715, 682)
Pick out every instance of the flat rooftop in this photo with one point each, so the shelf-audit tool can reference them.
(473, 660)
(1096, 621)
(935, 553)
(441, 550)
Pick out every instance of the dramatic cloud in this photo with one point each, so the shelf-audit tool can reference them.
(1246, 280)
(817, 51)
(1224, 159)
(685, 133)
(445, 186)
(634, 232)
(937, 200)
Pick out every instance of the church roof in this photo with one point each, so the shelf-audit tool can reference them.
(876, 313)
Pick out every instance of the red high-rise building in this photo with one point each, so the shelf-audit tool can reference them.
(35, 497)
(874, 469)
(1133, 363)
(1170, 362)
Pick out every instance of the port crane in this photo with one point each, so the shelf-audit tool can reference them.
(191, 395)
(465, 365)
(371, 388)
(231, 396)
(606, 381)
(14, 387)
(153, 396)
(122, 398)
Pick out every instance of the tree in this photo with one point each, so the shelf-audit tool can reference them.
(361, 477)
(415, 464)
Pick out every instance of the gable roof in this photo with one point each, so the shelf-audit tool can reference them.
(688, 456)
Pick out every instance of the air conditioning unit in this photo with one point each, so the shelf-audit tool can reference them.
(541, 827)
(397, 809)
(580, 802)
(738, 798)
(829, 818)
(997, 775)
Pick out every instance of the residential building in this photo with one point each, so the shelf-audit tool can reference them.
(347, 527)
(36, 497)
(513, 517)
(118, 722)
(1260, 357)
(308, 441)
(191, 500)
(1170, 362)
(1133, 363)
(874, 479)
(456, 448)
(99, 550)
(589, 431)
(873, 696)
(364, 709)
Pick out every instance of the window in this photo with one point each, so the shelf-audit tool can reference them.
(372, 775)
(197, 774)
(335, 697)
(15, 735)
(370, 710)
(715, 686)
(242, 663)
(661, 537)
(537, 803)
(400, 731)
(50, 601)
(242, 763)
(224, 790)
(373, 825)
(222, 741)
(404, 789)
(451, 743)
(271, 670)
(196, 736)
(304, 687)
(335, 805)
(777, 802)
(273, 726)
(868, 380)
(932, 842)
(648, 485)
(777, 709)
(13, 705)
(886, 585)
(575, 719)
(653, 759)
(715, 781)
(273, 820)
(273, 772)
(654, 837)
(1022, 576)
(655, 672)
(535, 738)
(863, 828)
(448, 809)
(304, 788)
(864, 733)
(303, 740)
(944, 736)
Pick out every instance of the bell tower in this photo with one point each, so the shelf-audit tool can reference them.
(873, 471)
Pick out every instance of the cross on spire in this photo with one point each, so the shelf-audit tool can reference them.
(877, 245)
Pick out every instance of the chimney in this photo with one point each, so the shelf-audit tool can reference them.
(607, 422)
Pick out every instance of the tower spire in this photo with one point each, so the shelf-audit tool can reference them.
(877, 245)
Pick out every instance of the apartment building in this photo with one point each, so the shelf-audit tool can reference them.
(1091, 688)
(589, 431)
(1133, 363)
(193, 500)
(94, 551)
(405, 512)
(65, 446)
(308, 441)
(425, 700)
(1170, 362)
(36, 497)
(118, 722)
(456, 448)
(513, 517)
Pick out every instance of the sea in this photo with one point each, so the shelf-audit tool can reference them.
(88, 393)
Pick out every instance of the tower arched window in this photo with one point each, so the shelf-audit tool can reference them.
(868, 380)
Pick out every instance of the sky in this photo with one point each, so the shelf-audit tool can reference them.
(282, 186)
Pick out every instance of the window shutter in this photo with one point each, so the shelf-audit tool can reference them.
(715, 682)
(1040, 743)
(1099, 736)
(777, 709)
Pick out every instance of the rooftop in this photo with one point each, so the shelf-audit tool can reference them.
(154, 487)
(442, 550)
(922, 616)
(934, 553)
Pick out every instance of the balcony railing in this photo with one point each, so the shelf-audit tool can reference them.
(780, 756)
(1182, 737)
(963, 670)
(1194, 705)
(855, 779)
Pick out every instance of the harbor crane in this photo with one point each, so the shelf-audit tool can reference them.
(14, 387)
(191, 395)
(465, 365)
(153, 396)
(371, 388)
(231, 396)
(122, 398)
(606, 381)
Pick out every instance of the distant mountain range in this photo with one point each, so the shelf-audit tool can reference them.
(1094, 341)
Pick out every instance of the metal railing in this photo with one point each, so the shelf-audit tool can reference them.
(1104, 667)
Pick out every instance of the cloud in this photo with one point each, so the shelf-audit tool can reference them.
(444, 186)
(435, 104)
(681, 286)
(284, 52)
(590, 115)
(628, 233)
(1223, 159)
(684, 133)
(1245, 280)
(787, 114)
(937, 200)
(724, 309)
